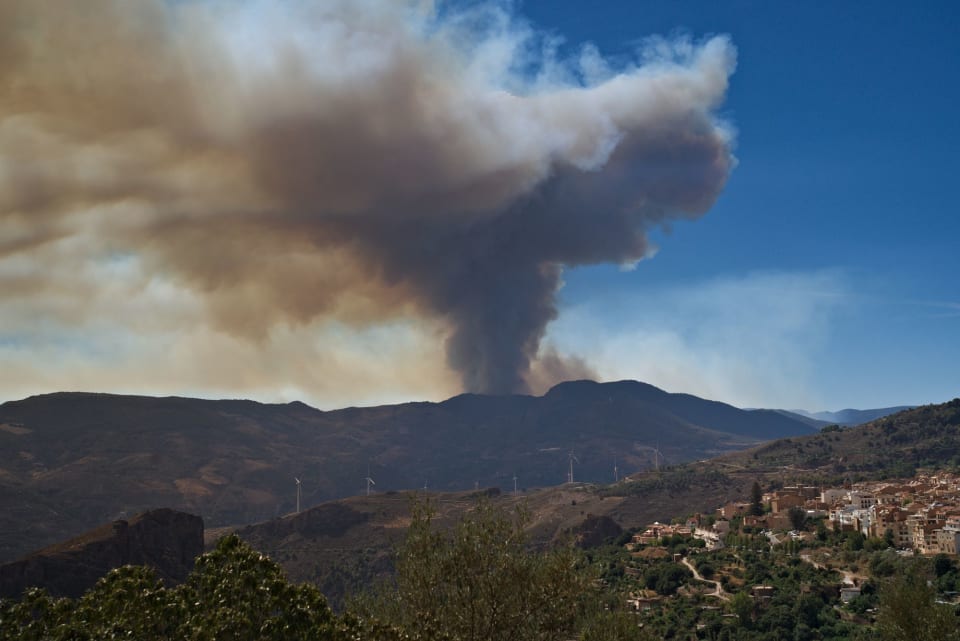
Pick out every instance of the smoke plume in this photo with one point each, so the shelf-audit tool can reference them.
(352, 160)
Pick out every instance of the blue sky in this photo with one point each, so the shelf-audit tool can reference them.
(847, 126)
(355, 202)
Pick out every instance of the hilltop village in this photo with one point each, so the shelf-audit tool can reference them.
(920, 514)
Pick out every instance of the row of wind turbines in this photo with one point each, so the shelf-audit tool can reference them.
(616, 470)
(571, 457)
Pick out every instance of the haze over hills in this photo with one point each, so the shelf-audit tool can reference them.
(851, 416)
(75, 460)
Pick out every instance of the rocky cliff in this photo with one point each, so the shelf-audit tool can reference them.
(164, 539)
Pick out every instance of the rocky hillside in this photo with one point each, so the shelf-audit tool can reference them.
(893, 446)
(163, 539)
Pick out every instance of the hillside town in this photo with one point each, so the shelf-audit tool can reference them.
(921, 514)
(736, 569)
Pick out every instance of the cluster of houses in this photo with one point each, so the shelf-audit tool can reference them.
(921, 514)
(658, 531)
(694, 527)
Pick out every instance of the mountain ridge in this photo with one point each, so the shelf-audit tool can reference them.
(345, 544)
(72, 460)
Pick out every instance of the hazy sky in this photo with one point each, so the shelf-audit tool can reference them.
(359, 202)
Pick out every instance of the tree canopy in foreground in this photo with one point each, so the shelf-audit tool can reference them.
(479, 582)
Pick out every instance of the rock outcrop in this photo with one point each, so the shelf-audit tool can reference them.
(165, 540)
(595, 531)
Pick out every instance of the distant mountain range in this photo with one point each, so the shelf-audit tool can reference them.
(852, 417)
(71, 461)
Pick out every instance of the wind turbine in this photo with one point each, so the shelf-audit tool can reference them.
(298, 493)
(616, 471)
(570, 473)
(369, 481)
(514, 483)
(657, 456)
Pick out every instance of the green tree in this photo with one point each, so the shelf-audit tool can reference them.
(666, 577)
(36, 617)
(129, 601)
(854, 541)
(797, 516)
(908, 610)
(822, 533)
(244, 595)
(480, 582)
(756, 500)
(233, 593)
(941, 565)
(888, 536)
(616, 625)
(742, 605)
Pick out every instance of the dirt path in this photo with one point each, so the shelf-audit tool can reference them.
(848, 577)
(717, 588)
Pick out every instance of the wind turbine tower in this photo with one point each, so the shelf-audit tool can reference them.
(570, 473)
(616, 471)
(514, 483)
(298, 493)
(370, 481)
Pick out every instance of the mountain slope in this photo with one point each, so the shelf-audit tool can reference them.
(759, 424)
(895, 445)
(71, 461)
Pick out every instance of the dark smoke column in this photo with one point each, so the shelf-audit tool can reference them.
(499, 315)
(496, 279)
